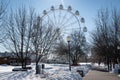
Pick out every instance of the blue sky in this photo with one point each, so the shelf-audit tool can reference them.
(87, 8)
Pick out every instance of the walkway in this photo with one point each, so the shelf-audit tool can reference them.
(99, 75)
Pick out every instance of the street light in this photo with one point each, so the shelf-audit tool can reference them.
(68, 40)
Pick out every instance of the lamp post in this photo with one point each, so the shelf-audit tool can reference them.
(68, 40)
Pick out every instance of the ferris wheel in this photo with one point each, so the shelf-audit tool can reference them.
(66, 20)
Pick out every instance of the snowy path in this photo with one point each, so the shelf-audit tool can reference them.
(6, 75)
(99, 75)
(14, 75)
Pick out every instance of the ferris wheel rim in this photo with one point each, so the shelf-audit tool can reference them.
(64, 9)
(76, 16)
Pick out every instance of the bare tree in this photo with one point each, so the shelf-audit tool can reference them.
(61, 50)
(115, 34)
(43, 39)
(105, 37)
(77, 47)
(3, 8)
(19, 34)
(61, 47)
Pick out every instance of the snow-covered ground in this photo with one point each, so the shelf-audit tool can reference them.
(116, 69)
(51, 72)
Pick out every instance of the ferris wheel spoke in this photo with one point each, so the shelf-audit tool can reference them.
(47, 24)
(70, 24)
(51, 23)
(69, 30)
(48, 20)
(67, 20)
(59, 18)
(73, 29)
(54, 17)
(64, 33)
(63, 18)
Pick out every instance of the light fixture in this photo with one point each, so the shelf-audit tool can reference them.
(68, 38)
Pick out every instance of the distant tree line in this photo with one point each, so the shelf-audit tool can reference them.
(106, 37)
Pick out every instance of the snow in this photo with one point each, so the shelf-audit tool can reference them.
(101, 66)
(5, 68)
(65, 75)
(51, 72)
(115, 70)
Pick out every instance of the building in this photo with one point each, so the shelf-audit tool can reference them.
(10, 59)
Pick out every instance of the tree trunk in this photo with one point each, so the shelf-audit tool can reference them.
(74, 62)
(108, 63)
(37, 72)
(37, 66)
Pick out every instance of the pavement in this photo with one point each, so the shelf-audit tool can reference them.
(100, 75)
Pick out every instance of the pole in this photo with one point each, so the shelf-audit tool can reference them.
(69, 55)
